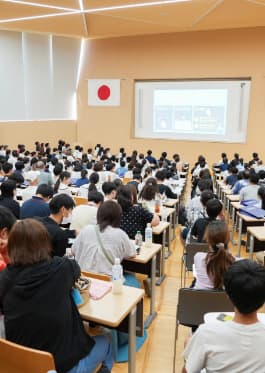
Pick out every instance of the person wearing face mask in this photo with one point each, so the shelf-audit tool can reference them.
(61, 207)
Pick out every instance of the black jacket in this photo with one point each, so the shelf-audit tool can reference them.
(58, 235)
(10, 204)
(40, 313)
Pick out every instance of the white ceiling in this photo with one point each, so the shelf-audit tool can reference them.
(111, 18)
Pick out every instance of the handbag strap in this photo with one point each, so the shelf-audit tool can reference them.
(102, 246)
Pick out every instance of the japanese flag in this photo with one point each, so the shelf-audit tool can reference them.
(104, 92)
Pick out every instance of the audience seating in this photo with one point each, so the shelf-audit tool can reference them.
(15, 358)
(126, 180)
(194, 303)
(80, 200)
(99, 276)
(187, 260)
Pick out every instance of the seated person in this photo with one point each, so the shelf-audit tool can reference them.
(122, 169)
(92, 186)
(251, 190)
(214, 208)
(110, 173)
(233, 177)
(148, 194)
(39, 312)
(215, 346)
(136, 179)
(43, 176)
(38, 204)
(96, 247)
(61, 207)
(197, 213)
(62, 184)
(241, 183)
(195, 206)
(8, 193)
(164, 189)
(109, 189)
(83, 179)
(86, 214)
(134, 217)
(7, 220)
(211, 267)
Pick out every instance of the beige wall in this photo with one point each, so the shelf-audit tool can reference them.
(214, 54)
(13, 133)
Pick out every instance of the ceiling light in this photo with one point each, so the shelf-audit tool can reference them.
(85, 11)
(37, 4)
(135, 5)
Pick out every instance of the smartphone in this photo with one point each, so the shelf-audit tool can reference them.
(224, 317)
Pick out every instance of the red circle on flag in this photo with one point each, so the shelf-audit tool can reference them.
(103, 92)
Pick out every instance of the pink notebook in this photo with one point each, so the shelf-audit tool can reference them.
(99, 288)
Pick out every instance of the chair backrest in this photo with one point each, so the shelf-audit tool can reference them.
(194, 303)
(80, 200)
(15, 358)
(126, 180)
(190, 250)
(99, 276)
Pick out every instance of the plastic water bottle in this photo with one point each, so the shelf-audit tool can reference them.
(164, 214)
(117, 277)
(148, 235)
(69, 254)
(138, 239)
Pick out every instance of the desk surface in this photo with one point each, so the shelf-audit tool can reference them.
(257, 232)
(146, 253)
(158, 229)
(247, 218)
(112, 309)
(233, 197)
(167, 211)
(170, 202)
(236, 205)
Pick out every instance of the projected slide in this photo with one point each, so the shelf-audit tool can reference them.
(196, 111)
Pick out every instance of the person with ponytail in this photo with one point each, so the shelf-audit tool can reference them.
(211, 267)
(62, 183)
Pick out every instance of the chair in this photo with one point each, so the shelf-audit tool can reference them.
(188, 258)
(80, 200)
(194, 303)
(98, 276)
(15, 358)
(126, 180)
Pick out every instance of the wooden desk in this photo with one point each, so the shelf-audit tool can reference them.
(170, 216)
(230, 198)
(249, 221)
(145, 263)
(173, 203)
(111, 310)
(162, 228)
(258, 233)
(235, 206)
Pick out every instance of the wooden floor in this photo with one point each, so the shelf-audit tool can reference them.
(156, 355)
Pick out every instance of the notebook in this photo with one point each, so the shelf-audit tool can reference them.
(99, 288)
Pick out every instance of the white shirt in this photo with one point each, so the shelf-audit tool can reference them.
(88, 252)
(65, 189)
(83, 215)
(202, 279)
(226, 347)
